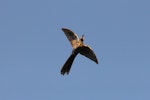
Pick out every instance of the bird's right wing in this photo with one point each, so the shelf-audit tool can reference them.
(72, 37)
(88, 52)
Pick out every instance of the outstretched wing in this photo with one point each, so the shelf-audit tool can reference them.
(88, 52)
(72, 37)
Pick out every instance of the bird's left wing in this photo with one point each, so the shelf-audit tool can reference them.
(88, 52)
(72, 37)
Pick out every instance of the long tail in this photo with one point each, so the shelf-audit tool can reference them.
(67, 66)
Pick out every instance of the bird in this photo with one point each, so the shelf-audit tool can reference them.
(78, 48)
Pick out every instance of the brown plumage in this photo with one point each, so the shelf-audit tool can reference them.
(78, 47)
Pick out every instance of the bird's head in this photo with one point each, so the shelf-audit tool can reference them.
(82, 38)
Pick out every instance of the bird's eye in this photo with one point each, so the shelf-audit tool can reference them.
(82, 39)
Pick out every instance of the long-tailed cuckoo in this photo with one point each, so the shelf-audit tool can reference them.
(78, 48)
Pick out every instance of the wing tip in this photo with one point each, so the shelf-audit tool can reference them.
(96, 61)
(64, 29)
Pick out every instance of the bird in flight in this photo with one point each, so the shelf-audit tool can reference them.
(78, 47)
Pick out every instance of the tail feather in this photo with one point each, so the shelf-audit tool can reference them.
(67, 66)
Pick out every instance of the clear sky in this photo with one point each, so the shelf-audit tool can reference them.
(33, 48)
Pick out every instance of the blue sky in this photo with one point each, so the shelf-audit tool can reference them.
(33, 49)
